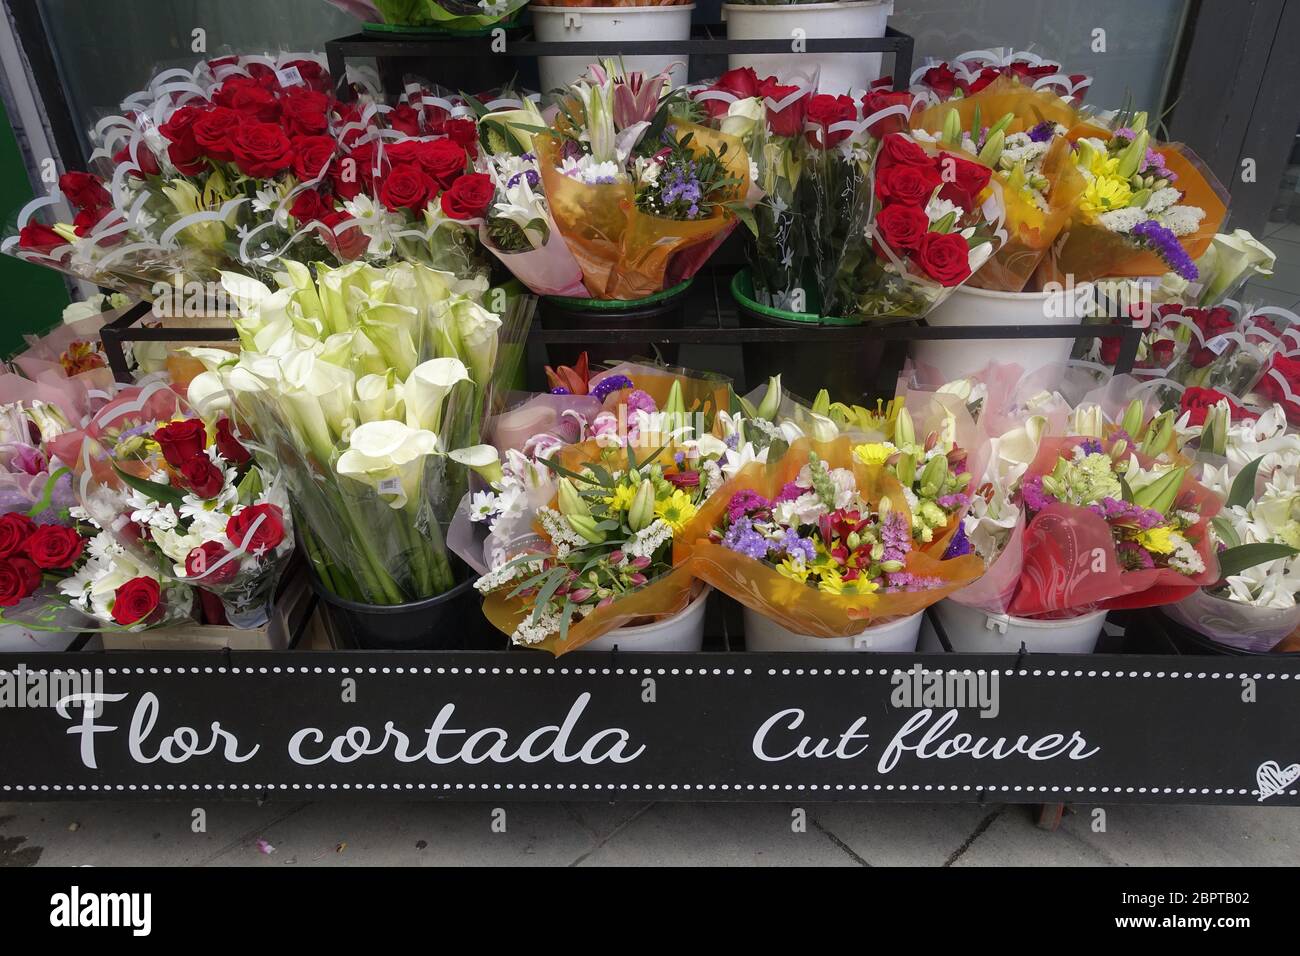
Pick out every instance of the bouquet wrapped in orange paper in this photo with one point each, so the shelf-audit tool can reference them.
(821, 542)
(641, 196)
(1021, 133)
(1147, 207)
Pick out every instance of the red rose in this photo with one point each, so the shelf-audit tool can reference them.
(963, 180)
(52, 546)
(249, 97)
(261, 150)
(39, 238)
(742, 81)
(464, 133)
(945, 257)
(144, 159)
(311, 155)
(305, 112)
(1160, 353)
(442, 159)
(214, 132)
(181, 441)
(351, 174)
(404, 119)
(202, 563)
(343, 236)
(1030, 73)
(179, 128)
(1198, 401)
(19, 578)
(912, 185)
(825, 111)
(407, 187)
(899, 149)
(468, 196)
(787, 120)
(202, 477)
(902, 227)
(84, 190)
(15, 529)
(88, 219)
(313, 75)
(269, 532)
(1288, 369)
(877, 100)
(309, 206)
(1212, 323)
(228, 444)
(983, 79)
(942, 79)
(136, 601)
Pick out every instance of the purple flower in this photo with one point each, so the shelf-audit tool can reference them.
(1043, 132)
(1134, 556)
(906, 581)
(1033, 495)
(1165, 244)
(793, 546)
(560, 390)
(746, 501)
(789, 492)
(743, 539)
(639, 401)
(952, 502)
(959, 545)
(610, 384)
(895, 536)
(1091, 446)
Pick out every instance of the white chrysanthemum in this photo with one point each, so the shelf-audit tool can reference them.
(482, 506)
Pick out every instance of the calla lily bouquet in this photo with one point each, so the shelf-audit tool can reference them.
(366, 385)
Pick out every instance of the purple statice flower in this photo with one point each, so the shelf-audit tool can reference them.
(1125, 133)
(952, 502)
(791, 545)
(732, 441)
(743, 502)
(1091, 446)
(789, 492)
(1033, 495)
(639, 401)
(528, 174)
(1043, 132)
(743, 539)
(1165, 244)
(959, 545)
(679, 459)
(1116, 510)
(1134, 556)
(610, 384)
(895, 536)
(906, 581)
(560, 390)
(1155, 164)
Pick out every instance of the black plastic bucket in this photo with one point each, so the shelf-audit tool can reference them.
(446, 622)
(850, 371)
(1185, 640)
(663, 310)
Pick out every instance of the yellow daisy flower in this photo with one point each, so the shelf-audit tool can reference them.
(676, 510)
(795, 572)
(622, 498)
(874, 453)
(1157, 540)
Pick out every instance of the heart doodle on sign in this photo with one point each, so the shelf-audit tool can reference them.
(1272, 779)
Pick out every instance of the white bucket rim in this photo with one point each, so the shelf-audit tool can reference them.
(788, 7)
(1041, 625)
(1020, 296)
(603, 11)
(632, 630)
(892, 622)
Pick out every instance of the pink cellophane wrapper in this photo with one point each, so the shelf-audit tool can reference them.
(994, 591)
(1243, 626)
(42, 358)
(69, 395)
(550, 270)
(1070, 563)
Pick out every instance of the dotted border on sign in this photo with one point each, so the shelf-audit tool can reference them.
(666, 672)
(643, 787)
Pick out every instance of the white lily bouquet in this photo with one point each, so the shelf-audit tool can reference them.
(363, 383)
(1252, 463)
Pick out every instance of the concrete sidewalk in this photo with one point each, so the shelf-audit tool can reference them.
(595, 834)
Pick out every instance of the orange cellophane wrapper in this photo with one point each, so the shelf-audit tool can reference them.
(1070, 562)
(796, 606)
(1031, 230)
(1089, 252)
(624, 253)
(661, 597)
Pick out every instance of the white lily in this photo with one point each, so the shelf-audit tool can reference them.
(1230, 261)
(390, 457)
(427, 388)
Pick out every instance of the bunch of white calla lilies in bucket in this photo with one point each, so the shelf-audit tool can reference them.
(362, 383)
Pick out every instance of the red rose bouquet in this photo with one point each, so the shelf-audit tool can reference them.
(967, 74)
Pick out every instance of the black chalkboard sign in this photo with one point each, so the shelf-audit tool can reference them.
(503, 726)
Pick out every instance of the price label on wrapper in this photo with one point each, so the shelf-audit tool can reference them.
(390, 486)
(289, 76)
(1219, 344)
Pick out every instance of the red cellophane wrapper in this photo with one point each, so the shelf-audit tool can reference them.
(1090, 252)
(796, 606)
(1030, 230)
(1070, 565)
(660, 597)
(624, 253)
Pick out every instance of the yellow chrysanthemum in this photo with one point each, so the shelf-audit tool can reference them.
(874, 453)
(622, 499)
(831, 583)
(1106, 194)
(1157, 540)
(676, 510)
(795, 572)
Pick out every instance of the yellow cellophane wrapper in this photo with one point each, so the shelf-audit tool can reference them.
(1090, 252)
(624, 253)
(1030, 230)
(796, 606)
(662, 597)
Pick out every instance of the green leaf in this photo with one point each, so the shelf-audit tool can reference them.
(566, 612)
(250, 486)
(159, 492)
(745, 215)
(47, 495)
(548, 590)
(1243, 486)
(1225, 531)
(1238, 559)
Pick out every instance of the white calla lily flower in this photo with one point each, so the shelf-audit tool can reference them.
(390, 457)
(427, 388)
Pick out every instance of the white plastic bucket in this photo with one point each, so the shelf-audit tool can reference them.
(838, 72)
(764, 634)
(16, 639)
(971, 631)
(585, 24)
(684, 631)
(971, 307)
